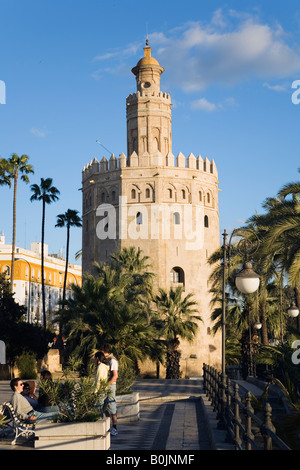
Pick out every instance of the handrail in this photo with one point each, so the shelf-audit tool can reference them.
(238, 418)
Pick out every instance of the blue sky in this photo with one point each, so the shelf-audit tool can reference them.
(229, 67)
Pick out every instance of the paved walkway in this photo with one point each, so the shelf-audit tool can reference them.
(174, 415)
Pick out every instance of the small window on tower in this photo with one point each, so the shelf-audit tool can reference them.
(147, 85)
(176, 218)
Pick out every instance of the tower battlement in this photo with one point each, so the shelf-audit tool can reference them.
(146, 93)
(147, 161)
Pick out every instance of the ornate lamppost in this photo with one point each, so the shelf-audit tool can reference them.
(246, 281)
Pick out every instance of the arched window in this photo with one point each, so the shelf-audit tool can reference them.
(113, 196)
(139, 218)
(176, 218)
(177, 275)
(133, 194)
(183, 194)
(147, 192)
(200, 196)
(208, 198)
(103, 197)
(170, 193)
(206, 222)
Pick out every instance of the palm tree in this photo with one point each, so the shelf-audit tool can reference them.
(11, 169)
(47, 194)
(135, 265)
(102, 310)
(131, 260)
(4, 179)
(178, 320)
(281, 241)
(69, 219)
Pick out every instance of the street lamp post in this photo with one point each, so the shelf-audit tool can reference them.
(246, 281)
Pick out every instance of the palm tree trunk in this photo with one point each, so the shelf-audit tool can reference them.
(67, 261)
(12, 274)
(173, 360)
(42, 265)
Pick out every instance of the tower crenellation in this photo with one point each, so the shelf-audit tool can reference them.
(134, 160)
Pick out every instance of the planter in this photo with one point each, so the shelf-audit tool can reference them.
(73, 436)
(128, 407)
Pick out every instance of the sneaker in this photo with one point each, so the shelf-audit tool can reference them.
(113, 431)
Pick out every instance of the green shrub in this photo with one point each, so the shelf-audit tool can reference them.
(126, 378)
(75, 399)
(26, 364)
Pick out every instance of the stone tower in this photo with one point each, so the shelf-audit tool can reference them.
(166, 206)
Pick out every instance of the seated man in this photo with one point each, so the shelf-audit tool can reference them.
(22, 407)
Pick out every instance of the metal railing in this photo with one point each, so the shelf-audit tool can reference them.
(245, 430)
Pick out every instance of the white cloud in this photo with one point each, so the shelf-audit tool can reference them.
(224, 52)
(232, 47)
(277, 88)
(204, 105)
(39, 132)
(120, 53)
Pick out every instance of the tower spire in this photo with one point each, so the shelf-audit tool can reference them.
(147, 42)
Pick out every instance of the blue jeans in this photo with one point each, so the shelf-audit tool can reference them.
(39, 415)
(110, 401)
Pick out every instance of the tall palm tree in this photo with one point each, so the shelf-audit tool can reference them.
(47, 194)
(11, 169)
(178, 320)
(69, 219)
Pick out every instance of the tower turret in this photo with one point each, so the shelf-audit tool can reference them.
(148, 110)
(148, 72)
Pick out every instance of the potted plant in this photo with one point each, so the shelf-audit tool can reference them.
(80, 424)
